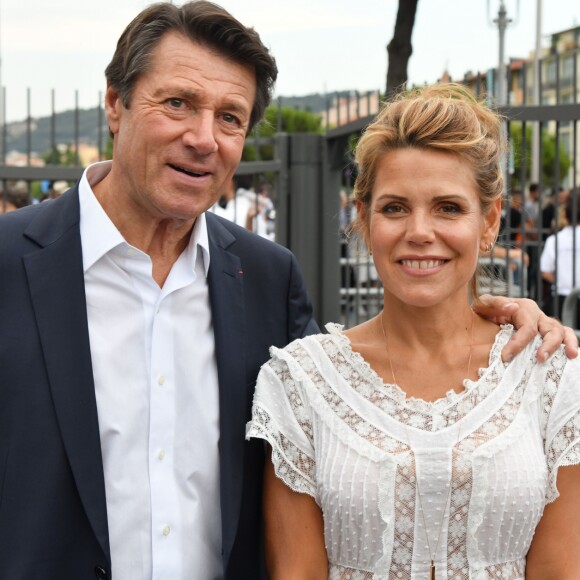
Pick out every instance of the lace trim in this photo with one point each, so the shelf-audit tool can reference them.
(514, 570)
(342, 573)
(300, 410)
(294, 467)
(564, 451)
(337, 413)
(404, 515)
(552, 382)
(391, 399)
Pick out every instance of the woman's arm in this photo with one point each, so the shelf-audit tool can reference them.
(555, 550)
(528, 319)
(294, 532)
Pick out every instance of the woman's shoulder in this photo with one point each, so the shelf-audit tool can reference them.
(334, 333)
(309, 350)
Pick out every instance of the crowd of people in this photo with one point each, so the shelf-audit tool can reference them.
(17, 195)
(250, 209)
(433, 440)
(538, 234)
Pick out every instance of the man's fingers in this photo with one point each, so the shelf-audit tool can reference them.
(498, 309)
(523, 335)
(570, 343)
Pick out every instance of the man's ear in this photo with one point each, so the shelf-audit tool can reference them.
(113, 108)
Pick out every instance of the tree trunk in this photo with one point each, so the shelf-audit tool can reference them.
(400, 48)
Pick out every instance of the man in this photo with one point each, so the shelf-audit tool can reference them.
(133, 325)
(124, 307)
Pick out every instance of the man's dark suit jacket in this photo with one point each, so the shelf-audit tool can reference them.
(53, 519)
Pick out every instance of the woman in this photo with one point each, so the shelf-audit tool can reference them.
(405, 447)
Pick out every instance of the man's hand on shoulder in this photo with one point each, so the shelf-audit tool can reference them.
(528, 320)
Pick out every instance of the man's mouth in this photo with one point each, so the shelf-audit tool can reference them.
(188, 171)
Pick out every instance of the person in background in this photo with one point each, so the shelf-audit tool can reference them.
(11, 200)
(531, 211)
(550, 211)
(560, 260)
(407, 446)
(58, 188)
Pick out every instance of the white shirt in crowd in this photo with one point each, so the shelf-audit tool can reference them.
(564, 257)
(157, 398)
(237, 209)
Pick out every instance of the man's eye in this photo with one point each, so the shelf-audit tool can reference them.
(230, 119)
(175, 103)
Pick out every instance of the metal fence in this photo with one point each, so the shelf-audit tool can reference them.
(312, 174)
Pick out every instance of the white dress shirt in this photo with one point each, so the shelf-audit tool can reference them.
(566, 257)
(153, 357)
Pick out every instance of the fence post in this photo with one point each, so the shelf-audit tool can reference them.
(304, 195)
(330, 239)
(312, 229)
(282, 203)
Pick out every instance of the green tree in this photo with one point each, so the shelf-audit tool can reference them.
(291, 121)
(108, 153)
(548, 155)
(57, 156)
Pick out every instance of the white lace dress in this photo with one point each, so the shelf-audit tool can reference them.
(356, 445)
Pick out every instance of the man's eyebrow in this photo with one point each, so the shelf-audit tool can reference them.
(193, 96)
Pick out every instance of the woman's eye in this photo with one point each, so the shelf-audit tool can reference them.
(392, 209)
(450, 208)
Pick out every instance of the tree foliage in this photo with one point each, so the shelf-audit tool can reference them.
(58, 155)
(285, 120)
(548, 156)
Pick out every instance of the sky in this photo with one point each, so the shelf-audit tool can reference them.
(320, 46)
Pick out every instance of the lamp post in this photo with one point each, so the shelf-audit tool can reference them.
(502, 22)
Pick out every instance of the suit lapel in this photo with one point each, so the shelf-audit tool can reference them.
(56, 282)
(225, 279)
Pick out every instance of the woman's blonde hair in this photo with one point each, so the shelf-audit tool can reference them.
(445, 117)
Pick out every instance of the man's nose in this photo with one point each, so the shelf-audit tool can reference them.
(200, 133)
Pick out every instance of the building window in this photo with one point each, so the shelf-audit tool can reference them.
(550, 74)
(567, 70)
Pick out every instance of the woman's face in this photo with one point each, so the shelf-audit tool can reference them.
(426, 227)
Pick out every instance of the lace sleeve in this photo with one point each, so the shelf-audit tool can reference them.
(281, 416)
(562, 417)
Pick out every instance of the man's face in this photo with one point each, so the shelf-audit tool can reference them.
(180, 141)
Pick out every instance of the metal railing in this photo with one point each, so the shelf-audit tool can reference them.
(309, 172)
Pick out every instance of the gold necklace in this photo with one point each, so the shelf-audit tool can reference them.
(419, 494)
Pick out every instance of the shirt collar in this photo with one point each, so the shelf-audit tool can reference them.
(99, 234)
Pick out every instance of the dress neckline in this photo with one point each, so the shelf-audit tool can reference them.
(437, 406)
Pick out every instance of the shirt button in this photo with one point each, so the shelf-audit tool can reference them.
(161, 455)
(161, 380)
(101, 573)
(166, 530)
(131, 252)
